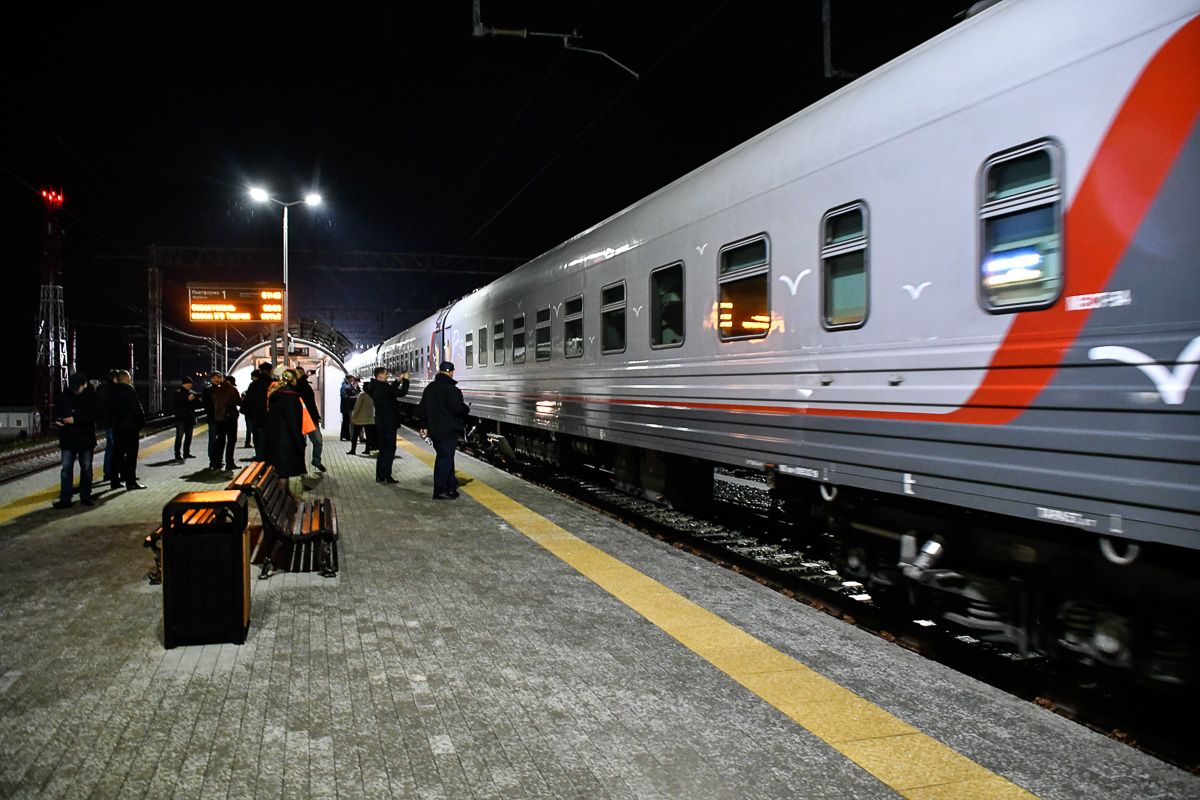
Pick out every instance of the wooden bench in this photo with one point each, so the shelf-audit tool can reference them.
(286, 519)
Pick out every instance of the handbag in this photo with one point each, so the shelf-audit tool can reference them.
(307, 425)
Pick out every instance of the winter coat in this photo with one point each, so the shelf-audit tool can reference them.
(364, 410)
(103, 392)
(285, 443)
(84, 408)
(256, 402)
(387, 401)
(184, 404)
(221, 402)
(442, 410)
(310, 399)
(124, 409)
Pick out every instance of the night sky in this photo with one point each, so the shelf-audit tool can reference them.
(153, 118)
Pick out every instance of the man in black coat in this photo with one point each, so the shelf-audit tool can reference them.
(75, 415)
(442, 416)
(221, 400)
(256, 409)
(305, 389)
(386, 397)
(348, 394)
(185, 403)
(127, 418)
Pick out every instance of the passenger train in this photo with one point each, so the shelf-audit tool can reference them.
(952, 311)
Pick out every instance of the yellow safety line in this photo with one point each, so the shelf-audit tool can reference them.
(908, 761)
(23, 505)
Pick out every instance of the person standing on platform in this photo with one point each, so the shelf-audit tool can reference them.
(185, 405)
(284, 440)
(75, 415)
(348, 393)
(363, 421)
(105, 423)
(246, 410)
(310, 402)
(442, 416)
(386, 397)
(221, 402)
(256, 408)
(127, 418)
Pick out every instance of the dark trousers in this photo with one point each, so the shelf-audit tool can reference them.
(110, 447)
(183, 435)
(222, 439)
(125, 453)
(260, 443)
(444, 481)
(249, 433)
(67, 475)
(368, 436)
(346, 409)
(386, 440)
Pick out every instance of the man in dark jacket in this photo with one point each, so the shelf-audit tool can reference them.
(75, 415)
(185, 403)
(386, 397)
(309, 397)
(348, 394)
(127, 418)
(256, 409)
(221, 401)
(442, 416)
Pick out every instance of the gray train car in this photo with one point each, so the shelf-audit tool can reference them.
(950, 310)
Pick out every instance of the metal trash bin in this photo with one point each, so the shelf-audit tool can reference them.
(205, 568)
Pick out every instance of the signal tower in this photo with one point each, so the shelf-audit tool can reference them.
(52, 323)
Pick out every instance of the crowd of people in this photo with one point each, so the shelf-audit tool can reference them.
(282, 420)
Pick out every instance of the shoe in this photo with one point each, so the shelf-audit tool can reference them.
(444, 496)
(134, 485)
(178, 457)
(453, 493)
(115, 485)
(87, 501)
(321, 467)
(61, 504)
(389, 480)
(351, 453)
(215, 467)
(188, 455)
(231, 467)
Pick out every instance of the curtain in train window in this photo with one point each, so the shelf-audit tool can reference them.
(666, 306)
(844, 267)
(518, 339)
(573, 327)
(469, 350)
(498, 343)
(744, 304)
(541, 335)
(483, 347)
(1021, 229)
(612, 318)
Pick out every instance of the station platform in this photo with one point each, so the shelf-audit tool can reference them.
(508, 644)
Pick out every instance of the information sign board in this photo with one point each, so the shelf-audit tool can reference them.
(226, 303)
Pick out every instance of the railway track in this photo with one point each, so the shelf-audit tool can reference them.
(746, 533)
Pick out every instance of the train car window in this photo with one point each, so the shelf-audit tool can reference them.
(573, 327)
(666, 306)
(1020, 218)
(519, 339)
(612, 318)
(498, 344)
(744, 304)
(844, 267)
(483, 347)
(469, 348)
(541, 335)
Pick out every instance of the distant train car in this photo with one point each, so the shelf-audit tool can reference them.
(950, 310)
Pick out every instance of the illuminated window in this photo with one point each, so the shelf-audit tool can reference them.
(483, 347)
(469, 347)
(666, 306)
(573, 327)
(519, 339)
(612, 318)
(498, 343)
(541, 335)
(844, 267)
(744, 304)
(1021, 229)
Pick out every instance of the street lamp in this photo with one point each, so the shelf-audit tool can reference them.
(260, 195)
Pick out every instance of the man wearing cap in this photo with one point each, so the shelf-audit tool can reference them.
(442, 416)
(75, 416)
(185, 418)
(386, 397)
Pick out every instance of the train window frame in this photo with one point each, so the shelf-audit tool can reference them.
(837, 249)
(740, 275)
(611, 307)
(468, 350)
(1049, 195)
(538, 327)
(518, 329)
(655, 311)
(570, 318)
(498, 343)
(481, 355)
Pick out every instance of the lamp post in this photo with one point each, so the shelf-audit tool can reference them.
(312, 199)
